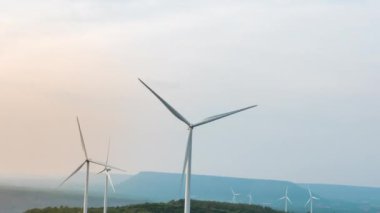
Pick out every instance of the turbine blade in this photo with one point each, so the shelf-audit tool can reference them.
(107, 166)
(110, 179)
(315, 198)
(289, 200)
(81, 139)
(186, 156)
(116, 168)
(73, 173)
(98, 163)
(309, 191)
(308, 201)
(102, 170)
(282, 198)
(108, 150)
(217, 117)
(170, 108)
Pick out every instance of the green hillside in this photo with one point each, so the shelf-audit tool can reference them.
(170, 207)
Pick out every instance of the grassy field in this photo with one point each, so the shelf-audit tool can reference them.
(170, 207)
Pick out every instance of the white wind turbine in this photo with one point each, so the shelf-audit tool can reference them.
(87, 161)
(234, 196)
(106, 172)
(311, 198)
(187, 161)
(250, 198)
(287, 199)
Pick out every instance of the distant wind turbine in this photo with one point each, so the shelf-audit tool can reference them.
(87, 161)
(286, 198)
(311, 198)
(106, 172)
(250, 198)
(266, 204)
(234, 196)
(187, 161)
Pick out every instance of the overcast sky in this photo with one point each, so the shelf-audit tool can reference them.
(311, 66)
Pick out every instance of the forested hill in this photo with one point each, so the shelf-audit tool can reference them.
(170, 207)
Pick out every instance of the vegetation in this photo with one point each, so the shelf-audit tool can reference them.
(171, 207)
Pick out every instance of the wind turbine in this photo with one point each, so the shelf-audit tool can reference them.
(86, 162)
(311, 198)
(250, 198)
(106, 172)
(234, 195)
(191, 126)
(287, 199)
(266, 204)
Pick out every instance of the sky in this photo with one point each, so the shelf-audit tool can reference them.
(311, 66)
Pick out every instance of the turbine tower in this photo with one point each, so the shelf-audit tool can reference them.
(234, 196)
(86, 162)
(311, 198)
(287, 199)
(191, 126)
(106, 172)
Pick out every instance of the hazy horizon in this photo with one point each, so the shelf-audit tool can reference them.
(311, 67)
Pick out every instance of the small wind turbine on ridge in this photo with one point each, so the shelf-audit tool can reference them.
(86, 162)
(287, 199)
(311, 198)
(234, 196)
(250, 198)
(108, 180)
